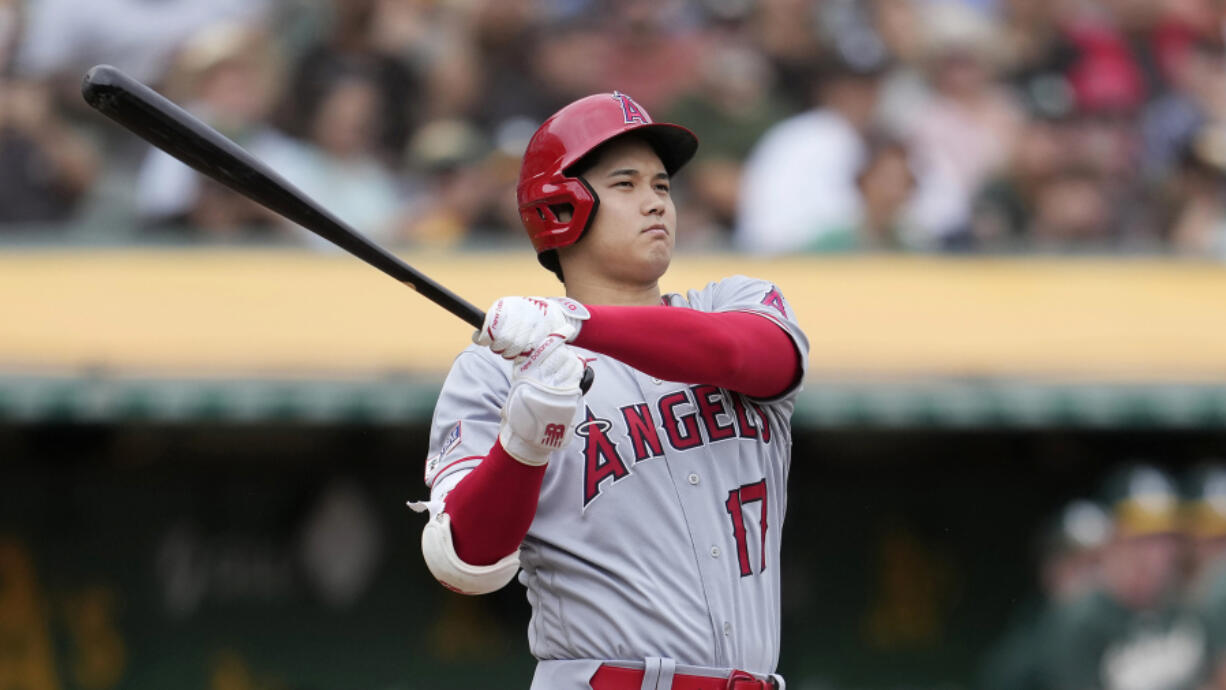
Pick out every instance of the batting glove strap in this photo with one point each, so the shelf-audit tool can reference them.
(538, 419)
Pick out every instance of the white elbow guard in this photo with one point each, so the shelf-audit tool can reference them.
(455, 574)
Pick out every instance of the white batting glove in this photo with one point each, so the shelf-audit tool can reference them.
(515, 326)
(539, 414)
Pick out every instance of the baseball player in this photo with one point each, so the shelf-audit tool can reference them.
(643, 516)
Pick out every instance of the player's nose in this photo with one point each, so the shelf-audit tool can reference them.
(653, 205)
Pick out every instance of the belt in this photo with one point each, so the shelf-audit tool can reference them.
(618, 678)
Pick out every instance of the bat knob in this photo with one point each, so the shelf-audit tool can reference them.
(589, 376)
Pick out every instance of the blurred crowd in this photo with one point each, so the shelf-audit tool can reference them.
(1133, 590)
(826, 125)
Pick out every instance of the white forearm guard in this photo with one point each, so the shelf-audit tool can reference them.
(452, 572)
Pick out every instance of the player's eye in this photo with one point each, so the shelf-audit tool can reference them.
(662, 186)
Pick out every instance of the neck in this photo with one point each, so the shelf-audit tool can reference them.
(591, 291)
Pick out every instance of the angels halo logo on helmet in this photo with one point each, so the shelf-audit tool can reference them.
(545, 183)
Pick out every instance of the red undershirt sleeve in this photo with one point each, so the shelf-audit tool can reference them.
(736, 350)
(492, 507)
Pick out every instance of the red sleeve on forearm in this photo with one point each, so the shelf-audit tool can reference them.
(493, 506)
(736, 350)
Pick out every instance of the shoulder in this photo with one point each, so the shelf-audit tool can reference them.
(734, 293)
(478, 357)
(478, 368)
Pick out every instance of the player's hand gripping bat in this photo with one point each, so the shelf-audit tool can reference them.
(160, 122)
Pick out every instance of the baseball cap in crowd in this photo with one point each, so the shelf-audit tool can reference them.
(1204, 500)
(1142, 500)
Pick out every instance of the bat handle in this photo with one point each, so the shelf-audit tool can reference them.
(589, 376)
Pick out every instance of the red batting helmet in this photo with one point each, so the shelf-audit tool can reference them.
(564, 139)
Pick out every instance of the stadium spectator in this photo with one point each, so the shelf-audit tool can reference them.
(63, 38)
(1130, 631)
(799, 190)
(1197, 196)
(509, 86)
(730, 107)
(454, 188)
(1196, 99)
(1069, 555)
(654, 56)
(46, 167)
(1004, 210)
(354, 45)
(786, 31)
(1205, 527)
(887, 184)
(227, 76)
(963, 132)
(12, 17)
(338, 163)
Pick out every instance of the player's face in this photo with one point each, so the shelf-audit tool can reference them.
(631, 239)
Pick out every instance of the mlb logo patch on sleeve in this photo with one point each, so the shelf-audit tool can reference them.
(450, 442)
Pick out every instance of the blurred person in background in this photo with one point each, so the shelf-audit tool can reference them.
(1069, 550)
(510, 88)
(454, 187)
(1072, 212)
(1037, 52)
(355, 44)
(655, 54)
(63, 38)
(1204, 524)
(1130, 44)
(962, 133)
(1196, 196)
(1197, 98)
(887, 184)
(732, 104)
(568, 64)
(786, 32)
(798, 190)
(11, 19)
(905, 85)
(338, 163)
(1129, 632)
(46, 166)
(1110, 88)
(227, 76)
(1004, 210)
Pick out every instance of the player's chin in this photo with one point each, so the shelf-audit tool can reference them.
(657, 257)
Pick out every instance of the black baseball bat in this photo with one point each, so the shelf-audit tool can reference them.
(172, 129)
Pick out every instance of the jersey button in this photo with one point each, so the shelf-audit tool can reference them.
(656, 381)
(727, 628)
(714, 552)
(693, 478)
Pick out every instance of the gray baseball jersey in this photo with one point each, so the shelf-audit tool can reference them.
(657, 532)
